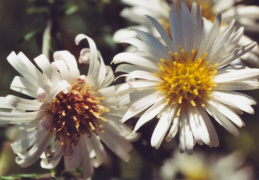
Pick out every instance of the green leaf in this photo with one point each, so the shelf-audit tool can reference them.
(31, 34)
(70, 9)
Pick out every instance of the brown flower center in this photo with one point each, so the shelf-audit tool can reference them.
(76, 113)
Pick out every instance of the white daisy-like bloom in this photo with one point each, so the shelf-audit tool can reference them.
(203, 167)
(67, 115)
(187, 78)
(245, 15)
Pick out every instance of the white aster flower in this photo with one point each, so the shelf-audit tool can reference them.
(188, 78)
(245, 15)
(68, 115)
(203, 167)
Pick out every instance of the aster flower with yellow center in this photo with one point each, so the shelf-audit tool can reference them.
(207, 166)
(245, 15)
(187, 78)
(67, 115)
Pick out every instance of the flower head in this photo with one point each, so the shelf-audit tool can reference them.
(186, 78)
(245, 15)
(203, 166)
(67, 115)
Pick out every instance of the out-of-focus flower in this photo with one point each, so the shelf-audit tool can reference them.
(201, 166)
(187, 77)
(68, 115)
(245, 15)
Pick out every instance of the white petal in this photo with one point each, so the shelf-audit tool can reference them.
(223, 5)
(162, 127)
(140, 105)
(94, 63)
(60, 86)
(136, 85)
(227, 112)
(112, 131)
(134, 96)
(176, 27)
(142, 47)
(114, 143)
(21, 103)
(74, 160)
(238, 85)
(222, 120)
(123, 34)
(47, 69)
(4, 104)
(70, 60)
(22, 85)
(62, 67)
(127, 68)
(109, 77)
(244, 40)
(99, 150)
(187, 27)
(163, 33)
(156, 45)
(186, 137)
(28, 138)
(234, 99)
(142, 75)
(197, 24)
(142, 84)
(235, 54)
(174, 129)
(218, 47)
(101, 70)
(21, 63)
(121, 129)
(25, 160)
(50, 163)
(87, 165)
(150, 113)
(251, 12)
(135, 59)
(19, 117)
(208, 128)
(238, 75)
(210, 37)
(196, 126)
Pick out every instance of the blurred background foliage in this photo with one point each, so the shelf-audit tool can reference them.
(30, 25)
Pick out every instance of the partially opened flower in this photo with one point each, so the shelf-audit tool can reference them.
(207, 166)
(68, 115)
(245, 15)
(187, 78)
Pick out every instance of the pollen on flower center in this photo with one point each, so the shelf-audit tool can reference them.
(76, 113)
(186, 79)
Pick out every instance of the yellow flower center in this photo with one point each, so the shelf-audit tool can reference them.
(75, 113)
(186, 79)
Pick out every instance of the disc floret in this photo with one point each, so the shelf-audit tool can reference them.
(186, 79)
(76, 113)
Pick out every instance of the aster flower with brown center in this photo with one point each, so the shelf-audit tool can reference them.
(67, 115)
(187, 78)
